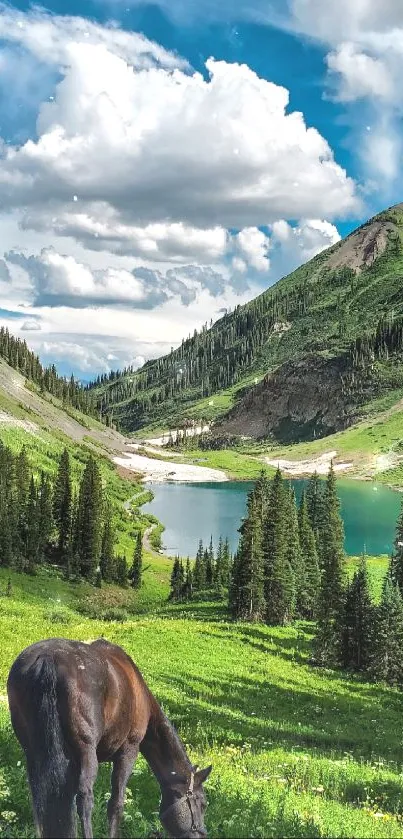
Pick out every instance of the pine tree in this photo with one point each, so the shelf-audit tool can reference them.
(386, 659)
(293, 548)
(177, 580)
(396, 565)
(331, 595)
(45, 516)
(225, 563)
(121, 571)
(8, 516)
(278, 588)
(308, 590)
(31, 547)
(199, 577)
(188, 584)
(218, 582)
(209, 565)
(107, 557)
(62, 505)
(315, 507)
(137, 565)
(89, 520)
(246, 593)
(357, 623)
(23, 477)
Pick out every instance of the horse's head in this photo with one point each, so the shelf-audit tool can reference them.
(183, 804)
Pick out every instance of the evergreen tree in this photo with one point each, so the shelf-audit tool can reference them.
(331, 595)
(218, 582)
(89, 520)
(177, 580)
(246, 593)
(308, 590)
(278, 588)
(386, 659)
(199, 576)
(45, 516)
(8, 519)
(356, 626)
(225, 563)
(293, 556)
(121, 571)
(209, 565)
(396, 565)
(23, 476)
(107, 557)
(31, 547)
(62, 505)
(137, 566)
(315, 507)
(188, 584)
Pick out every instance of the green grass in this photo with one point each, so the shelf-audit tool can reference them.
(237, 464)
(296, 751)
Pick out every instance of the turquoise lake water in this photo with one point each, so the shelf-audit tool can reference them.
(197, 511)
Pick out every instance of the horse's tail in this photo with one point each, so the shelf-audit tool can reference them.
(50, 769)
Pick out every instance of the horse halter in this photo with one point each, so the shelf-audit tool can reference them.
(182, 807)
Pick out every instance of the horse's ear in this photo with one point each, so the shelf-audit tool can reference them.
(202, 775)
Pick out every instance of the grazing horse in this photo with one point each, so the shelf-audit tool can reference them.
(75, 705)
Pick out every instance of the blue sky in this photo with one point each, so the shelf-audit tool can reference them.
(161, 162)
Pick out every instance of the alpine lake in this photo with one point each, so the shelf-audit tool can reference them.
(196, 511)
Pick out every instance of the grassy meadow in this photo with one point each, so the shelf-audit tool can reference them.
(297, 751)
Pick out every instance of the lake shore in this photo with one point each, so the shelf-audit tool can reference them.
(158, 471)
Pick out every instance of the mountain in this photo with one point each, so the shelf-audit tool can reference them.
(301, 360)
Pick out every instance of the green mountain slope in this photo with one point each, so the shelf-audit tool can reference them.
(45, 426)
(315, 318)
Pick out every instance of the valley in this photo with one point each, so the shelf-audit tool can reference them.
(297, 750)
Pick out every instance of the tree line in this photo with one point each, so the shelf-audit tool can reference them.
(17, 354)
(49, 521)
(291, 564)
(210, 572)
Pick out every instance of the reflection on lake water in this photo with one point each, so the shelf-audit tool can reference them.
(196, 511)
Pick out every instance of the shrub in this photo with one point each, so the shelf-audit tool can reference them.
(114, 614)
(57, 615)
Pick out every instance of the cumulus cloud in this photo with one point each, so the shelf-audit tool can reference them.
(254, 247)
(365, 62)
(60, 280)
(167, 147)
(294, 245)
(100, 229)
(360, 75)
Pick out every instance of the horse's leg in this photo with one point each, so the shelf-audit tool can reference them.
(122, 767)
(85, 794)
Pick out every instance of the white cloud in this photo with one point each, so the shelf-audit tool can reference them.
(365, 61)
(100, 229)
(50, 37)
(294, 245)
(254, 247)
(360, 75)
(61, 280)
(165, 147)
(143, 184)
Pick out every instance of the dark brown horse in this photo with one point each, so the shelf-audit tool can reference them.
(74, 705)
